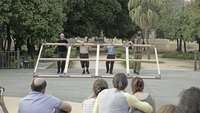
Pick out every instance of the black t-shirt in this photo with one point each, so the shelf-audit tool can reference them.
(62, 48)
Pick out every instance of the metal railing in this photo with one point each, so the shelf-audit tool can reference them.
(9, 59)
(195, 60)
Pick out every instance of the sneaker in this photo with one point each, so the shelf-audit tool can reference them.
(137, 73)
(111, 73)
(87, 71)
(83, 72)
(58, 72)
(61, 72)
(107, 71)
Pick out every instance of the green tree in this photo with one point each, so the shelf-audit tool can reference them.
(144, 13)
(123, 27)
(37, 21)
(168, 8)
(90, 17)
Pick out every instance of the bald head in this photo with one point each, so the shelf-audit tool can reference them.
(38, 84)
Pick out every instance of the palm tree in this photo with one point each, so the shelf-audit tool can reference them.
(144, 13)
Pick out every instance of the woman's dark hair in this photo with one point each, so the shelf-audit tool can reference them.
(120, 81)
(99, 85)
(38, 87)
(137, 85)
(190, 100)
(170, 109)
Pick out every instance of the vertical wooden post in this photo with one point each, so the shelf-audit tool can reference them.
(67, 59)
(157, 61)
(127, 60)
(38, 60)
(97, 60)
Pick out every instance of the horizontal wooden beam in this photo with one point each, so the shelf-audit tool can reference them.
(90, 76)
(94, 59)
(93, 44)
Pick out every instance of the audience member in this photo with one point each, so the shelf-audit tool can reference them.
(38, 102)
(3, 108)
(84, 54)
(98, 86)
(171, 109)
(190, 100)
(137, 86)
(116, 100)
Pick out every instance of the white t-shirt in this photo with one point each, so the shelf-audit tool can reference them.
(1, 110)
(88, 105)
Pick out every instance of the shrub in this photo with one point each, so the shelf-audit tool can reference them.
(73, 54)
(32, 63)
(179, 55)
(49, 53)
(124, 62)
(118, 54)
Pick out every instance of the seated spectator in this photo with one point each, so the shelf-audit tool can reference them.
(98, 86)
(170, 109)
(116, 100)
(38, 102)
(190, 100)
(3, 108)
(137, 86)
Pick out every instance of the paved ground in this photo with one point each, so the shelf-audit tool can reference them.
(177, 75)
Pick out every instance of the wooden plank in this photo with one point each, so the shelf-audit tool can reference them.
(127, 60)
(93, 44)
(94, 59)
(91, 76)
(67, 59)
(56, 59)
(157, 61)
(97, 60)
(38, 60)
(49, 76)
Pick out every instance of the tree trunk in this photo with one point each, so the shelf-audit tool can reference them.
(8, 38)
(32, 52)
(1, 38)
(199, 45)
(147, 41)
(28, 46)
(184, 46)
(177, 46)
(181, 45)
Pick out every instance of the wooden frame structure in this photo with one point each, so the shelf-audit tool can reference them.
(97, 59)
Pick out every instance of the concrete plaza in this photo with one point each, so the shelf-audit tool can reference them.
(75, 90)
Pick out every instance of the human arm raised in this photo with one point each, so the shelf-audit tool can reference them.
(133, 102)
(2, 104)
(65, 107)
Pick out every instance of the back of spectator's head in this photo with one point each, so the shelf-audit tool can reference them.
(170, 109)
(38, 84)
(137, 85)
(190, 100)
(120, 81)
(99, 85)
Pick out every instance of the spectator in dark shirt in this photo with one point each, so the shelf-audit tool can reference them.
(62, 52)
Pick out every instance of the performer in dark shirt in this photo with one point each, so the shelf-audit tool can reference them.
(62, 52)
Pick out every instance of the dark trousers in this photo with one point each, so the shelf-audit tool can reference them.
(110, 62)
(84, 63)
(61, 55)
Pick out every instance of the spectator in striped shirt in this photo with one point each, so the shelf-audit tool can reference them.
(88, 103)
